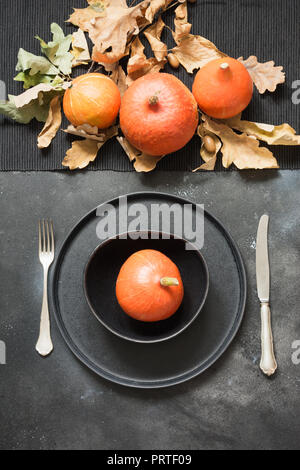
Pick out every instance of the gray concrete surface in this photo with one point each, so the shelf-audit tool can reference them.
(57, 403)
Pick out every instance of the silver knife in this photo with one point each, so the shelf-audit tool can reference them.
(268, 362)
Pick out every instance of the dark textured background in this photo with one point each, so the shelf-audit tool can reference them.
(57, 403)
(268, 29)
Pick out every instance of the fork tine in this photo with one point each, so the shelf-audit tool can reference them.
(48, 237)
(43, 236)
(52, 236)
(40, 238)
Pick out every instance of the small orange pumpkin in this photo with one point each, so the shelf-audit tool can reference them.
(223, 88)
(92, 99)
(158, 114)
(149, 286)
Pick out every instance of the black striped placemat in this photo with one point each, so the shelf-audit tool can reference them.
(268, 29)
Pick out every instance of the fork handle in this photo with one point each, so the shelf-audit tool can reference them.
(268, 362)
(44, 345)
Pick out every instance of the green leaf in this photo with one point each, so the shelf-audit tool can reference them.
(33, 103)
(57, 50)
(27, 113)
(32, 80)
(58, 81)
(34, 64)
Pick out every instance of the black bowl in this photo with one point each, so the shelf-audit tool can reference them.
(100, 281)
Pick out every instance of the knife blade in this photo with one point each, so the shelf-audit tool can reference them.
(268, 362)
(262, 260)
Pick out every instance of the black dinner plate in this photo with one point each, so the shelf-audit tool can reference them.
(160, 364)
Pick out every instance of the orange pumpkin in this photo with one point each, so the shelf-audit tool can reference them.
(92, 99)
(223, 88)
(149, 286)
(158, 114)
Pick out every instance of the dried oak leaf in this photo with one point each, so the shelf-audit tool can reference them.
(154, 7)
(112, 32)
(138, 64)
(194, 52)
(80, 49)
(142, 161)
(240, 149)
(33, 103)
(81, 154)
(138, 59)
(52, 124)
(264, 75)
(85, 151)
(153, 34)
(182, 26)
(37, 93)
(24, 115)
(32, 94)
(210, 158)
(82, 16)
(119, 77)
(283, 134)
(89, 132)
(108, 60)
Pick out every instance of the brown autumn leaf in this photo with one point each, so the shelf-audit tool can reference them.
(37, 92)
(52, 124)
(138, 64)
(182, 26)
(142, 22)
(112, 31)
(194, 52)
(138, 59)
(93, 133)
(210, 158)
(264, 75)
(240, 149)
(80, 49)
(85, 151)
(32, 94)
(283, 134)
(109, 60)
(153, 34)
(142, 161)
(154, 7)
(81, 154)
(119, 77)
(83, 16)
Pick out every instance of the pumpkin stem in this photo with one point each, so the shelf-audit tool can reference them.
(224, 66)
(169, 281)
(153, 100)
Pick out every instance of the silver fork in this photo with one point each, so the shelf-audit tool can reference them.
(44, 345)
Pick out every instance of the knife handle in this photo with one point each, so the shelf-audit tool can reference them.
(268, 362)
